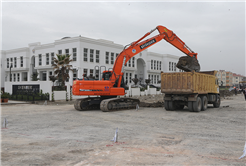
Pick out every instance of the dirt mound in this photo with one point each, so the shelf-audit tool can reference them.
(224, 93)
(151, 100)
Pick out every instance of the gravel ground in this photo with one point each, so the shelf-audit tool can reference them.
(60, 135)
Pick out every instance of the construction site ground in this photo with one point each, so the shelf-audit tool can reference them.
(57, 134)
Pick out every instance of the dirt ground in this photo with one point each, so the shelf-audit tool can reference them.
(59, 135)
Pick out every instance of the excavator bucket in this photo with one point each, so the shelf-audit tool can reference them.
(188, 64)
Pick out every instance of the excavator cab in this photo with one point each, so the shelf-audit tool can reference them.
(106, 75)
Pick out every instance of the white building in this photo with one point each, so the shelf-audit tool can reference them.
(86, 53)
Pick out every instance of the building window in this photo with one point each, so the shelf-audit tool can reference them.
(116, 55)
(44, 76)
(151, 64)
(21, 61)
(52, 58)
(14, 61)
(129, 63)
(47, 58)
(154, 65)
(170, 66)
(91, 55)
(174, 66)
(126, 78)
(85, 72)
(85, 54)
(157, 78)
(149, 76)
(75, 73)
(67, 52)
(59, 52)
(10, 77)
(11, 62)
(74, 54)
(160, 66)
(97, 56)
(130, 77)
(18, 77)
(97, 74)
(157, 65)
(107, 58)
(24, 76)
(7, 62)
(14, 77)
(152, 78)
(112, 58)
(50, 74)
(40, 59)
(91, 72)
(133, 61)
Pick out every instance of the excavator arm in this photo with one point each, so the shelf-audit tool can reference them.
(190, 63)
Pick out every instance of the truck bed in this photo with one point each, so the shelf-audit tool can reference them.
(189, 82)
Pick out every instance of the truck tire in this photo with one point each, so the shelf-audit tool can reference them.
(166, 105)
(217, 103)
(204, 103)
(197, 105)
(171, 105)
(190, 106)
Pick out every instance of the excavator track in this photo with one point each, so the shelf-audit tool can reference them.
(106, 105)
(115, 104)
(87, 104)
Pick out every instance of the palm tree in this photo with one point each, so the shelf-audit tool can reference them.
(61, 68)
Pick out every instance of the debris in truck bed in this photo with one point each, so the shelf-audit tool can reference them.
(188, 64)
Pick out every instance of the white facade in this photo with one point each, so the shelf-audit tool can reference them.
(86, 54)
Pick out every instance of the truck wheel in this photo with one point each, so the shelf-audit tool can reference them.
(171, 105)
(197, 105)
(166, 105)
(217, 103)
(190, 106)
(204, 103)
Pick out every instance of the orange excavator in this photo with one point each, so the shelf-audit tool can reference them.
(112, 84)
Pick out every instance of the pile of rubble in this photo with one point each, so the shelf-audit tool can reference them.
(225, 93)
(151, 100)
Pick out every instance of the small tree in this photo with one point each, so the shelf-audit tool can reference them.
(53, 79)
(147, 81)
(135, 80)
(61, 68)
(35, 77)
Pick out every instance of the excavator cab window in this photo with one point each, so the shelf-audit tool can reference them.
(106, 75)
(122, 84)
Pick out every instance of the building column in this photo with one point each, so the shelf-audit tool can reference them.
(47, 75)
(38, 72)
(21, 79)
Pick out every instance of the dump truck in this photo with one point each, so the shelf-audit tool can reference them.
(192, 89)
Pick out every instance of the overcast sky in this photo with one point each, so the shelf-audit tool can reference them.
(215, 30)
